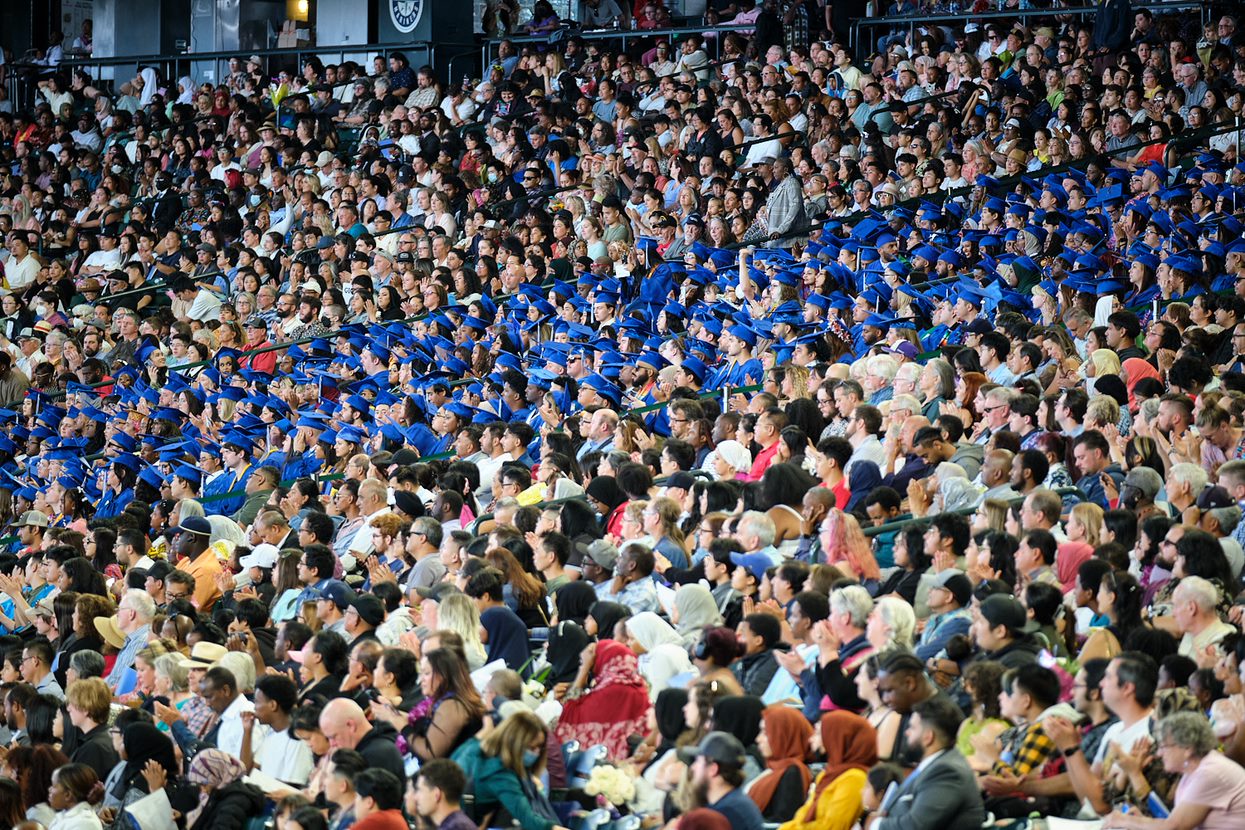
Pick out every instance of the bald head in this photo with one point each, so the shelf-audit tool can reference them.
(343, 723)
(996, 469)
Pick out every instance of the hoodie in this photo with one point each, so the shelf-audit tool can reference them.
(380, 749)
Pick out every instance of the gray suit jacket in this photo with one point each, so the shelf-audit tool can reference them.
(944, 796)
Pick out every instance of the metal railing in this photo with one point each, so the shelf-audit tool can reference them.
(622, 35)
(912, 21)
(173, 65)
(916, 521)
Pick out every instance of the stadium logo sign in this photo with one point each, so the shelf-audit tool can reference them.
(406, 14)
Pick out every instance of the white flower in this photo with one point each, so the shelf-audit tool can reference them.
(612, 783)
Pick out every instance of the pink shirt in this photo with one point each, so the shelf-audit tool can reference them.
(1219, 784)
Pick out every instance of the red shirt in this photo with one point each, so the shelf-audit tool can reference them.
(761, 463)
(382, 820)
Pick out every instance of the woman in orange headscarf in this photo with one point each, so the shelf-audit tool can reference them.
(851, 746)
(783, 740)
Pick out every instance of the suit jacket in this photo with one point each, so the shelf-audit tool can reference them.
(943, 796)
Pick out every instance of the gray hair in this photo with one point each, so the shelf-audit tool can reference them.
(884, 366)
(243, 669)
(900, 618)
(1190, 730)
(87, 663)
(170, 666)
(1227, 517)
(946, 376)
(1150, 410)
(757, 523)
(910, 372)
(1194, 475)
(1001, 395)
(140, 602)
(854, 601)
(1200, 591)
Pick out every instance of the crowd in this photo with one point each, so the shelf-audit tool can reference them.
(773, 438)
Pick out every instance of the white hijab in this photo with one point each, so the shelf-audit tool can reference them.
(187, 94)
(149, 86)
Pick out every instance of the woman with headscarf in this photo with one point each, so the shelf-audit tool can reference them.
(567, 640)
(851, 747)
(694, 610)
(185, 90)
(660, 651)
(603, 617)
(608, 701)
(150, 86)
(610, 501)
(1101, 362)
(507, 638)
(668, 723)
(953, 490)
(1137, 369)
(862, 479)
(780, 790)
(226, 802)
(574, 600)
(141, 743)
(740, 715)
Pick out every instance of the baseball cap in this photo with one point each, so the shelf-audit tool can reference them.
(719, 747)
(263, 556)
(1006, 610)
(755, 563)
(1214, 497)
(32, 518)
(195, 524)
(681, 480)
(370, 609)
(603, 553)
(436, 592)
(957, 583)
(338, 592)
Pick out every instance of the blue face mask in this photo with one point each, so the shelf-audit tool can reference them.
(530, 758)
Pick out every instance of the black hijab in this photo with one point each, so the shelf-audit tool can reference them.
(739, 715)
(605, 489)
(566, 641)
(670, 722)
(574, 601)
(607, 615)
(143, 742)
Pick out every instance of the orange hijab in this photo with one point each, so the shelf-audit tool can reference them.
(787, 731)
(850, 742)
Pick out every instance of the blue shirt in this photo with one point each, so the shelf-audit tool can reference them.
(740, 810)
(134, 643)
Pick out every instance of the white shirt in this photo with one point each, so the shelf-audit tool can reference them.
(79, 817)
(286, 758)
(362, 542)
(105, 260)
(229, 738)
(21, 274)
(1117, 734)
(204, 307)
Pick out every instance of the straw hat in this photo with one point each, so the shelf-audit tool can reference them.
(110, 631)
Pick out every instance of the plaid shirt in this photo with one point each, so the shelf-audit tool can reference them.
(199, 716)
(1025, 750)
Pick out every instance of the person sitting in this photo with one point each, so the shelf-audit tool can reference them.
(783, 742)
(435, 794)
(503, 766)
(378, 801)
(947, 795)
(616, 705)
(851, 748)
(717, 775)
(1211, 792)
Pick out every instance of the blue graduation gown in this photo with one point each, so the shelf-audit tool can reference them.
(230, 481)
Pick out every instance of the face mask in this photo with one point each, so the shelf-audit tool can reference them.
(492, 176)
(41, 310)
(254, 200)
(530, 758)
(116, 168)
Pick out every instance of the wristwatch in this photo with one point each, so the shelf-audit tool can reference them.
(1072, 750)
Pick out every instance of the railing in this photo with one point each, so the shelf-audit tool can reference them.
(172, 66)
(911, 21)
(902, 524)
(490, 46)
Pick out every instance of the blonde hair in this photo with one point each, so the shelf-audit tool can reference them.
(511, 739)
(1090, 516)
(457, 613)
